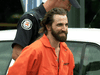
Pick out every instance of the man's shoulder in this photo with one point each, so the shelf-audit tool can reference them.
(27, 16)
(66, 47)
(36, 44)
(64, 44)
(34, 47)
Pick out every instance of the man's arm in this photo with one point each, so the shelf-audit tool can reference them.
(16, 51)
(23, 36)
(27, 63)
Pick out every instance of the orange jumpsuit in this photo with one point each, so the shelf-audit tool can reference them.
(40, 58)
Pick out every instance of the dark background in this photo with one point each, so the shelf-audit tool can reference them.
(10, 12)
(92, 8)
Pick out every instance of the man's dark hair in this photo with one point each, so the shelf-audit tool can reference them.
(48, 18)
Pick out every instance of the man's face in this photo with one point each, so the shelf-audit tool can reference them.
(59, 27)
(65, 4)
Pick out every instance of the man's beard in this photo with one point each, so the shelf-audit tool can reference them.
(57, 37)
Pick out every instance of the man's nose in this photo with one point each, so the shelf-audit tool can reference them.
(64, 28)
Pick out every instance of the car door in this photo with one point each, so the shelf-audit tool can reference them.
(5, 56)
(86, 56)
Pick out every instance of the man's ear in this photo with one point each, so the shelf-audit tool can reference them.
(48, 27)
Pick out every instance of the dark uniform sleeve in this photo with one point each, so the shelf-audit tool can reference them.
(26, 30)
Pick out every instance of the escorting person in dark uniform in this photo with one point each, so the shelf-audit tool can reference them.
(29, 23)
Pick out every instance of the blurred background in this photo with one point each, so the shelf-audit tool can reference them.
(86, 17)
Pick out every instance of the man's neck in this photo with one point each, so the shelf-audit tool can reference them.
(54, 43)
(48, 5)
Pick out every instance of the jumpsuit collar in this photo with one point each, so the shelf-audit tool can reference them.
(46, 42)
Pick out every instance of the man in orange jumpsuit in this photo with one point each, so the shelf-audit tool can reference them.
(27, 34)
(48, 55)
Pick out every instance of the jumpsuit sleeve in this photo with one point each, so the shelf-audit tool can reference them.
(25, 31)
(26, 64)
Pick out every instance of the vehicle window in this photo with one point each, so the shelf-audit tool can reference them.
(5, 56)
(92, 60)
(76, 49)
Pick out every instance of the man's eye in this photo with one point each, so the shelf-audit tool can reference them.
(59, 24)
(66, 24)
